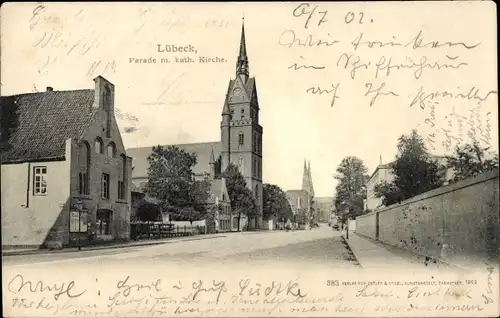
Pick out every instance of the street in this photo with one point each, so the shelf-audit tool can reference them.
(320, 246)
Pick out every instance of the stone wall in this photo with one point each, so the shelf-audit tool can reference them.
(459, 221)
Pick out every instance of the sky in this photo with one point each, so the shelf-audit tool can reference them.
(303, 56)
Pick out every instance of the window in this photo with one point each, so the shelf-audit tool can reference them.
(298, 203)
(121, 190)
(111, 149)
(254, 168)
(241, 138)
(40, 180)
(240, 165)
(124, 181)
(84, 166)
(103, 222)
(83, 185)
(232, 112)
(105, 186)
(99, 147)
(256, 191)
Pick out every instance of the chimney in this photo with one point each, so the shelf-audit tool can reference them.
(50, 89)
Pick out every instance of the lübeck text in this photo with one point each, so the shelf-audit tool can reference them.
(170, 48)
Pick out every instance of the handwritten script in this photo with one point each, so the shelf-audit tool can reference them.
(347, 61)
(137, 296)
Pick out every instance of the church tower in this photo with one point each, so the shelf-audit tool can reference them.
(241, 133)
(307, 183)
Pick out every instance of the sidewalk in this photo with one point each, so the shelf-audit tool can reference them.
(373, 255)
(16, 252)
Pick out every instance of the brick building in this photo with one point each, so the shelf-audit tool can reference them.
(65, 172)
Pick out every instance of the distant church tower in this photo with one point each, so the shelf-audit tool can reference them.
(307, 183)
(241, 133)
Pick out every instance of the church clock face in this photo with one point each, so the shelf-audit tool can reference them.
(237, 91)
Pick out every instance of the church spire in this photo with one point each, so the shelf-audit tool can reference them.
(305, 177)
(309, 178)
(242, 63)
(212, 164)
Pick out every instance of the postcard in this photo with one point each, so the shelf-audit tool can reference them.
(330, 159)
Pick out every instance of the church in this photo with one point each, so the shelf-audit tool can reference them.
(240, 143)
(302, 200)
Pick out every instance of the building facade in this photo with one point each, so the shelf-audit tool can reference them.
(241, 137)
(65, 173)
(300, 201)
(383, 173)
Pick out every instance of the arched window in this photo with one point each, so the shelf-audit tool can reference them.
(111, 149)
(99, 146)
(84, 167)
(241, 138)
(122, 184)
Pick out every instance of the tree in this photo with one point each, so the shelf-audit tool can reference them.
(302, 216)
(148, 211)
(469, 160)
(171, 182)
(350, 190)
(275, 203)
(414, 170)
(242, 200)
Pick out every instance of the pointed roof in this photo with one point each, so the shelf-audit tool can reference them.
(203, 152)
(305, 176)
(311, 186)
(243, 47)
(242, 63)
(225, 109)
(212, 157)
(60, 115)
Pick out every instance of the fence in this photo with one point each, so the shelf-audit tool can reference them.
(458, 222)
(157, 230)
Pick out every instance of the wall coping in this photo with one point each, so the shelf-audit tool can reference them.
(483, 177)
